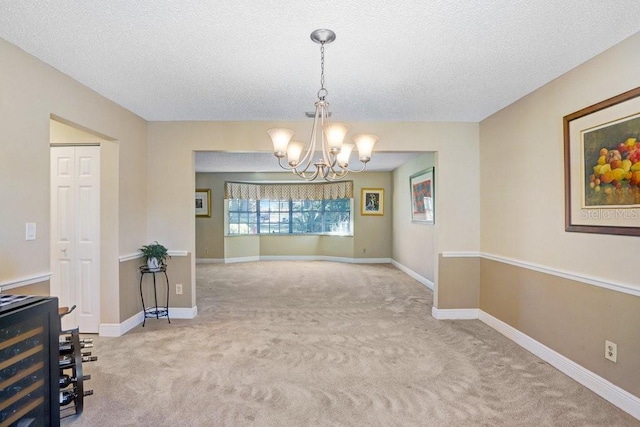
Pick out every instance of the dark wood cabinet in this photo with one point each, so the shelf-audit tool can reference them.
(29, 373)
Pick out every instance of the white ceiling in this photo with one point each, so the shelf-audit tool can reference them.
(435, 60)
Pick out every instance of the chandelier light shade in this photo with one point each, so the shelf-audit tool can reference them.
(280, 138)
(326, 137)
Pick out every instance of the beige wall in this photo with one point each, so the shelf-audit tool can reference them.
(522, 212)
(414, 244)
(462, 276)
(40, 288)
(32, 93)
(178, 268)
(129, 289)
(171, 155)
(571, 317)
(242, 247)
(372, 234)
(522, 173)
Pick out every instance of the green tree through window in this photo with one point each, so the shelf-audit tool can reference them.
(329, 216)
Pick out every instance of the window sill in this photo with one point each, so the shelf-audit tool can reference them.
(290, 234)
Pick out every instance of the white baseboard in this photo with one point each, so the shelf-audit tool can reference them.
(455, 313)
(428, 283)
(183, 313)
(461, 254)
(241, 259)
(209, 260)
(607, 390)
(306, 258)
(119, 329)
(371, 260)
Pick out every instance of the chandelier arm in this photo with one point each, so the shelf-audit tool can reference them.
(332, 161)
(325, 172)
(328, 158)
(308, 155)
(337, 176)
(364, 166)
(303, 174)
(285, 167)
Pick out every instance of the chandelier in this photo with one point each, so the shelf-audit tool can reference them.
(334, 165)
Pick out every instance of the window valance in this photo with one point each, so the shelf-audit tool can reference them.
(254, 191)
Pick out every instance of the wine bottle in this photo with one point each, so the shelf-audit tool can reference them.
(67, 396)
(8, 392)
(66, 360)
(65, 380)
(67, 347)
(68, 338)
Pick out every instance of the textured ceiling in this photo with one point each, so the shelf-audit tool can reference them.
(436, 60)
(420, 60)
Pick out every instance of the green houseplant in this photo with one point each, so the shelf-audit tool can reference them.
(155, 255)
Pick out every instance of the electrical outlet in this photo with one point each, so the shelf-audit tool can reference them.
(611, 351)
(364, 251)
(206, 250)
(179, 289)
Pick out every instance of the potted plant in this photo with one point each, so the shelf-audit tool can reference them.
(155, 255)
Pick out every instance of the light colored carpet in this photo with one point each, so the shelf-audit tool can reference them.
(341, 345)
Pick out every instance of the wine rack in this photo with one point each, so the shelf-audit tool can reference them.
(72, 377)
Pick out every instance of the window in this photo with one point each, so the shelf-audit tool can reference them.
(242, 217)
(327, 216)
(278, 208)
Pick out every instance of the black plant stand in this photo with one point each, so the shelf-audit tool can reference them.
(154, 311)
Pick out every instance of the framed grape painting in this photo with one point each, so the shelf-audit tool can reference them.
(602, 167)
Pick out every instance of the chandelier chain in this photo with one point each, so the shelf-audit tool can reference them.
(322, 93)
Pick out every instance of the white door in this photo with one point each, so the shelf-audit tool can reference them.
(75, 234)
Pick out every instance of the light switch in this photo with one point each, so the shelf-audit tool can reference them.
(31, 231)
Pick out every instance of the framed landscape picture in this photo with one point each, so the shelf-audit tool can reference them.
(203, 203)
(423, 196)
(602, 167)
(372, 201)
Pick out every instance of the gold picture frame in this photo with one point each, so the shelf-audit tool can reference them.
(203, 203)
(372, 201)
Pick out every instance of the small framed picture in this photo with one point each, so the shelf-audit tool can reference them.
(372, 201)
(423, 197)
(203, 203)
